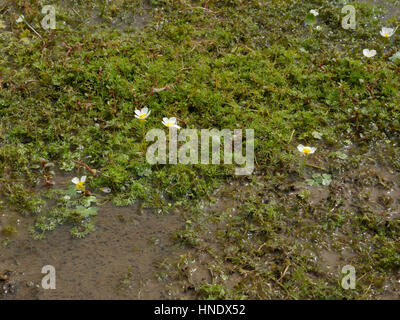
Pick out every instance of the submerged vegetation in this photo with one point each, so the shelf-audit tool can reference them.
(67, 107)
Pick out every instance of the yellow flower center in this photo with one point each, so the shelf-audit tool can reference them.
(386, 35)
(170, 124)
(142, 116)
(80, 185)
(307, 150)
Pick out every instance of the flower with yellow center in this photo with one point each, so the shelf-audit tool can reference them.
(79, 183)
(387, 32)
(106, 190)
(306, 150)
(170, 123)
(142, 114)
(369, 53)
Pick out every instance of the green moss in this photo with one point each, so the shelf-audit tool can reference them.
(71, 95)
(9, 231)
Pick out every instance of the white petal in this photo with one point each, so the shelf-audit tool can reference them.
(369, 53)
(313, 150)
(83, 178)
(137, 117)
(106, 190)
(145, 109)
(149, 113)
(75, 180)
(300, 147)
(165, 119)
(173, 119)
(137, 112)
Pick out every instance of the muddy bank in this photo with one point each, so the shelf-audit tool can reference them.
(117, 261)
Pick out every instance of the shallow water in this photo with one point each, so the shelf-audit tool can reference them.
(93, 267)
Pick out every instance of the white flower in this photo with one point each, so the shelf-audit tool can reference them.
(387, 32)
(143, 113)
(106, 190)
(67, 198)
(369, 53)
(20, 19)
(314, 12)
(79, 183)
(318, 28)
(170, 123)
(306, 150)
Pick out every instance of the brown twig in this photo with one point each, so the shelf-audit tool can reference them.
(70, 48)
(33, 29)
(49, 183)
(166, 87)
(92, 171)
(315, 166)
(154, 89)
(45, 43)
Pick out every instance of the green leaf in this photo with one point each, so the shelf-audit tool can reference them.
(326, 182)
(71, 191)
(86, 212)
(86, 201)
(310, 19)
(67, 166)
(317, 135)
(311, 182)
(341, 155)
(395, 57)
